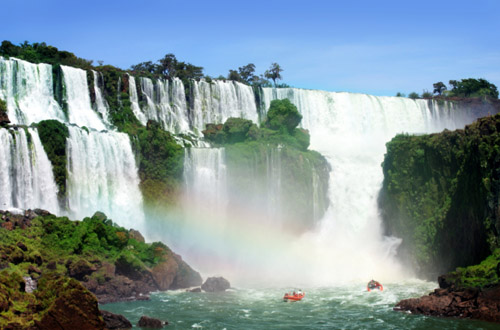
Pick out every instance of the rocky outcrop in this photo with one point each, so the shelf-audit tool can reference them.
(149, 322)
(57, 303)
(115, 321)
(74, 307)
(138, 269)
(467, 303)
(215, 284)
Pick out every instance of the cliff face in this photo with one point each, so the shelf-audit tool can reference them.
(441, 195)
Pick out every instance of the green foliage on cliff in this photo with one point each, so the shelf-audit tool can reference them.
(53, 135)
(440, 194)
(486, 273)
(160, 163)
(282, 115)
(3, 107)
(50, 238)
(117, 95)
(42, 53)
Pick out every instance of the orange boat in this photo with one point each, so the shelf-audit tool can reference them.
(373, 285)
(294, 296)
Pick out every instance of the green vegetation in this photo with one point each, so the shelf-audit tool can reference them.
(4, 119)
(246, 74)
(160, 164)
(439, 88)
(487, 273)
(49, 249)
(41, 53)
(439, 194)
(282, 115)
(473, 88)
(53, 135)
(168, 67)
(50, 238)
(413, 95)
(3, 107)
(274, 73)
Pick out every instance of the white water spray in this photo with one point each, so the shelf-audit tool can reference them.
(26, 178)
(102, 176)
(101, 105)
(80, 111)
(217, 101)
(27, 90)
(351, 131)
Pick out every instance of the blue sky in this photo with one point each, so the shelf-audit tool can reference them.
(376, 47)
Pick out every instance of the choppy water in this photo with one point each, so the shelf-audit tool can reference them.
(343, 307)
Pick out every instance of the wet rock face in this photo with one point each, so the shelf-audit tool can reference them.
(115, 321)
(149, 322)
(467, 303)
(216, 284)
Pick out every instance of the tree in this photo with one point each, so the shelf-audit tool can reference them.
(399, 94)
(439, 87)
(234, 75)
(413, 95)
(426, 94)
(274, 73)
(453, 84)
(247, 72)
(282, 115)
(474, 88)
(168, 66)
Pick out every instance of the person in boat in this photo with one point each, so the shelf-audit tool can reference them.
(373, 284)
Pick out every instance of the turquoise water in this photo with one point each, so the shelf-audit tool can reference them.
(344, 307)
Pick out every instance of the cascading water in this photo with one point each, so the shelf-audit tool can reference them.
(134, 99)
(80, 111)
(351, 131)
(27, 90)
(217, 101)
(205, 203)
(102, 176)
(26, 178)
(100, 103)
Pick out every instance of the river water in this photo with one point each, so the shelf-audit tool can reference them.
(344, 307)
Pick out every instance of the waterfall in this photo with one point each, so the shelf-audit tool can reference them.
(351, 130)
(80, 111)
(134, 99)
(205, 175)
(26, 177)
(28, 92)
(102, 176)
(102, 106)
(217, 101)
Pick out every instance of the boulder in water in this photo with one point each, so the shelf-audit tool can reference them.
(216, 284)
(115, 321)
(149, 322)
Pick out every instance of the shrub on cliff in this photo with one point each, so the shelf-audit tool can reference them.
(53, 135)
(161, 162)
(282, 115)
